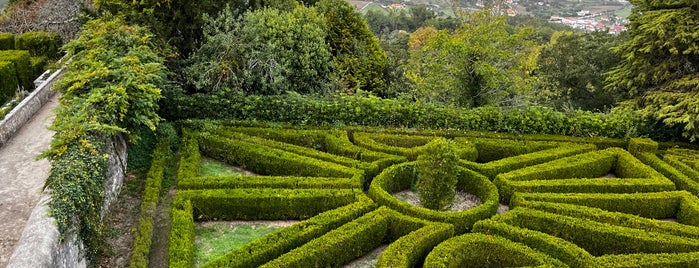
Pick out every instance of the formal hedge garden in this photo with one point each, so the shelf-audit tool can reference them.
(570, 203)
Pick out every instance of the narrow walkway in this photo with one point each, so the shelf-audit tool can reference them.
(22, 177)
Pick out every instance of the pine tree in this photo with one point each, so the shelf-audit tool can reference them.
(660, 62)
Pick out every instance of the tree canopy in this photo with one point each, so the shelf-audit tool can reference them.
(660, 62)
(267, 51)
(479, 64)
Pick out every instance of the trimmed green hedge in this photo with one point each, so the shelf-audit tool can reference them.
(492, 169)
(266, 204)
(405, 145)
(9, 84)
(487, 251)
(413, 239)
(660, 205)
(642, 145)
(340, 245)
(615, 218)
(281, 241)
(290, 182)
(401, 177)
(269, 161)
(370, 169)
(38, 64)
(665, 260)
(22, 64)
(332, 141)
(553, 246)
(181, 240)
(40, 44)
(496, 149)
(151, 194)
(410, 249)
(190, 157)
(676, 162)
(354, 110)
(598, 238)
(681, 180)
(7, 41)
(578, 174)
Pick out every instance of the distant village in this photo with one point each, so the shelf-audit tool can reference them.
(585, 19)
(592, 22)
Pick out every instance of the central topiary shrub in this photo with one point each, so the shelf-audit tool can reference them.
(437, 169)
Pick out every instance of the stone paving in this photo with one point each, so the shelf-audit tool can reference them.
(22, 177)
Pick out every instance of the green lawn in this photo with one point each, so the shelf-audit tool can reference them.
(213, 167)
(215, 240)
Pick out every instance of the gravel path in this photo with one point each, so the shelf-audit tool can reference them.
(22, 177)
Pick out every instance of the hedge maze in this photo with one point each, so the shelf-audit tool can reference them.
(572, 203)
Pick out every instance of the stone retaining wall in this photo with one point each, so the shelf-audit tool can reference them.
(24, 111)
(40, 246)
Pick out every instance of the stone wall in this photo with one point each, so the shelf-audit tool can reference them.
(40, 247)
(24, 111)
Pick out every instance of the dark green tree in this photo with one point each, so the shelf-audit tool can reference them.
(660, 62)
(266, 52)
(437, 174)
(572, 68)
(358, 57)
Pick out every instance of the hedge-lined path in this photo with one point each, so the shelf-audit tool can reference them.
(22, 177)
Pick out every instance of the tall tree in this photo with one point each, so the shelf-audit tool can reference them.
(572, 66)
(660, 62)
(267, 52)
(480, 63)
(359, 59)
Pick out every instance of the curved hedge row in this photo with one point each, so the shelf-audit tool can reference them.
(269, 161)
(401, 177)
(581, 174)
(487, 251)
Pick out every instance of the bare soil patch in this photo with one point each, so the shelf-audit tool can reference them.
(462, 200)
(367, 261)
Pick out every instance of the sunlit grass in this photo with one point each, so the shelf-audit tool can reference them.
(212, 167)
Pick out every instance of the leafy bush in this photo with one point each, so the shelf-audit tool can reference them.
(40, 44)
(294, 55)
(109, 90)
(437, 171)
